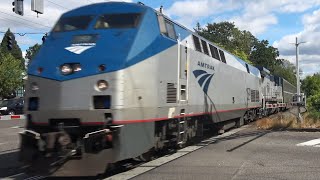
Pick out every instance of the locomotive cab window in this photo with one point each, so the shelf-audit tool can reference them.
(108, 21)
(167, 27)
(205, 47)
(214, 52)
(223, 58)
(170, 30)
(197, 43)
(72, 23)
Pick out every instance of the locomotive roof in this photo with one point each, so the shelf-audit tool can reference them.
(125, 7)
(107, 7)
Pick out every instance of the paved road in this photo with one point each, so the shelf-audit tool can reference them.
(244, 153)
(248, 154)
(9, 144)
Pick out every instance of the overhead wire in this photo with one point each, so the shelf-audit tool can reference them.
(19, 23)
(25, 19)
(24, 33)
(57, 5)
(29, 23)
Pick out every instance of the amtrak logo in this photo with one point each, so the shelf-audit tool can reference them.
(80, 48)
(204, 79)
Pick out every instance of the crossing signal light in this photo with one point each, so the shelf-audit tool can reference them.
(18, 7)
(9, 42)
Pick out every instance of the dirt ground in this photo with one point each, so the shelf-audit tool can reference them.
(287, 120)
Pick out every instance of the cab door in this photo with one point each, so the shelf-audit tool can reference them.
(182, 73)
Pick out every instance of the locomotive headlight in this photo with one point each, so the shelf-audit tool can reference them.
(34, 86)
(102, 85)
(66, 69)
(77, 67)
(4, 108)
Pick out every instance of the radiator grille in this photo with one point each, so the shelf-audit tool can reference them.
(171, 93)
(255, 96)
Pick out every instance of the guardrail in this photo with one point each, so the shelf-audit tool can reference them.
(10, 117)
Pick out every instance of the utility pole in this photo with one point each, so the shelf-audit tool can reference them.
(298, 78)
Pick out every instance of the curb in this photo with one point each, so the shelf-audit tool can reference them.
(11, 117)
(294, 130)
(303, 130)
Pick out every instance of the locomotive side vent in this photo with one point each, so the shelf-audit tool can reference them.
(255, 96)
(171, 93)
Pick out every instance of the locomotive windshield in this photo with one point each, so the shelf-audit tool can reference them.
(107, 21)
(72, 23)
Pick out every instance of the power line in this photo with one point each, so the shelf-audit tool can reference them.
(24, 33)
(25, 19)
(19, 23)
(58, 5)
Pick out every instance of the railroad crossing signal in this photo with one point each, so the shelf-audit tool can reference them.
(9, 42)
(18, 7)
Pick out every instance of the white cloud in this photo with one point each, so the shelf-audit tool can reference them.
(293, 6)
(191, 11)
(255, 16)
(309, 51)
(255, 24)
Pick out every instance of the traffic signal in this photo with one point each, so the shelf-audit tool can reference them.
(18, 7)
(9, 42)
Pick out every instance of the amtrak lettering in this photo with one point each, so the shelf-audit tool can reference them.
(205, 65)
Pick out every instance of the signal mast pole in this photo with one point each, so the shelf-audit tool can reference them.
(298, 78)
(297, 70)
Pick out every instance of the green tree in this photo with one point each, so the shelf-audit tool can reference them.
(314, 102)
(32, 51)
(264, 55)
(15, 51)
(286, 70)
(10, 74)
(198, 27)
(229, 37)
(219, 33)
(311, 85)
(247, 47)
(242, 55)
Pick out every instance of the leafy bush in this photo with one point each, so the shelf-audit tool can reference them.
(313, 103)
(11, 74)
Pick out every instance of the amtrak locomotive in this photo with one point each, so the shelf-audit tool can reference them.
(116, 80)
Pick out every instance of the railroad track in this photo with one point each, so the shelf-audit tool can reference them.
(130, 168)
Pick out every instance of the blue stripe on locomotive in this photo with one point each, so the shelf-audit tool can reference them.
(116, 48)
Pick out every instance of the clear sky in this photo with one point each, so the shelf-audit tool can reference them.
(278, 21)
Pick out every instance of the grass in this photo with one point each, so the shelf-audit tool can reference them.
(287, 120)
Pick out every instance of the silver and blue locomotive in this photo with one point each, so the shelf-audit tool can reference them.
(116, 80)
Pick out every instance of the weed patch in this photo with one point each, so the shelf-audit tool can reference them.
(286, 120)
